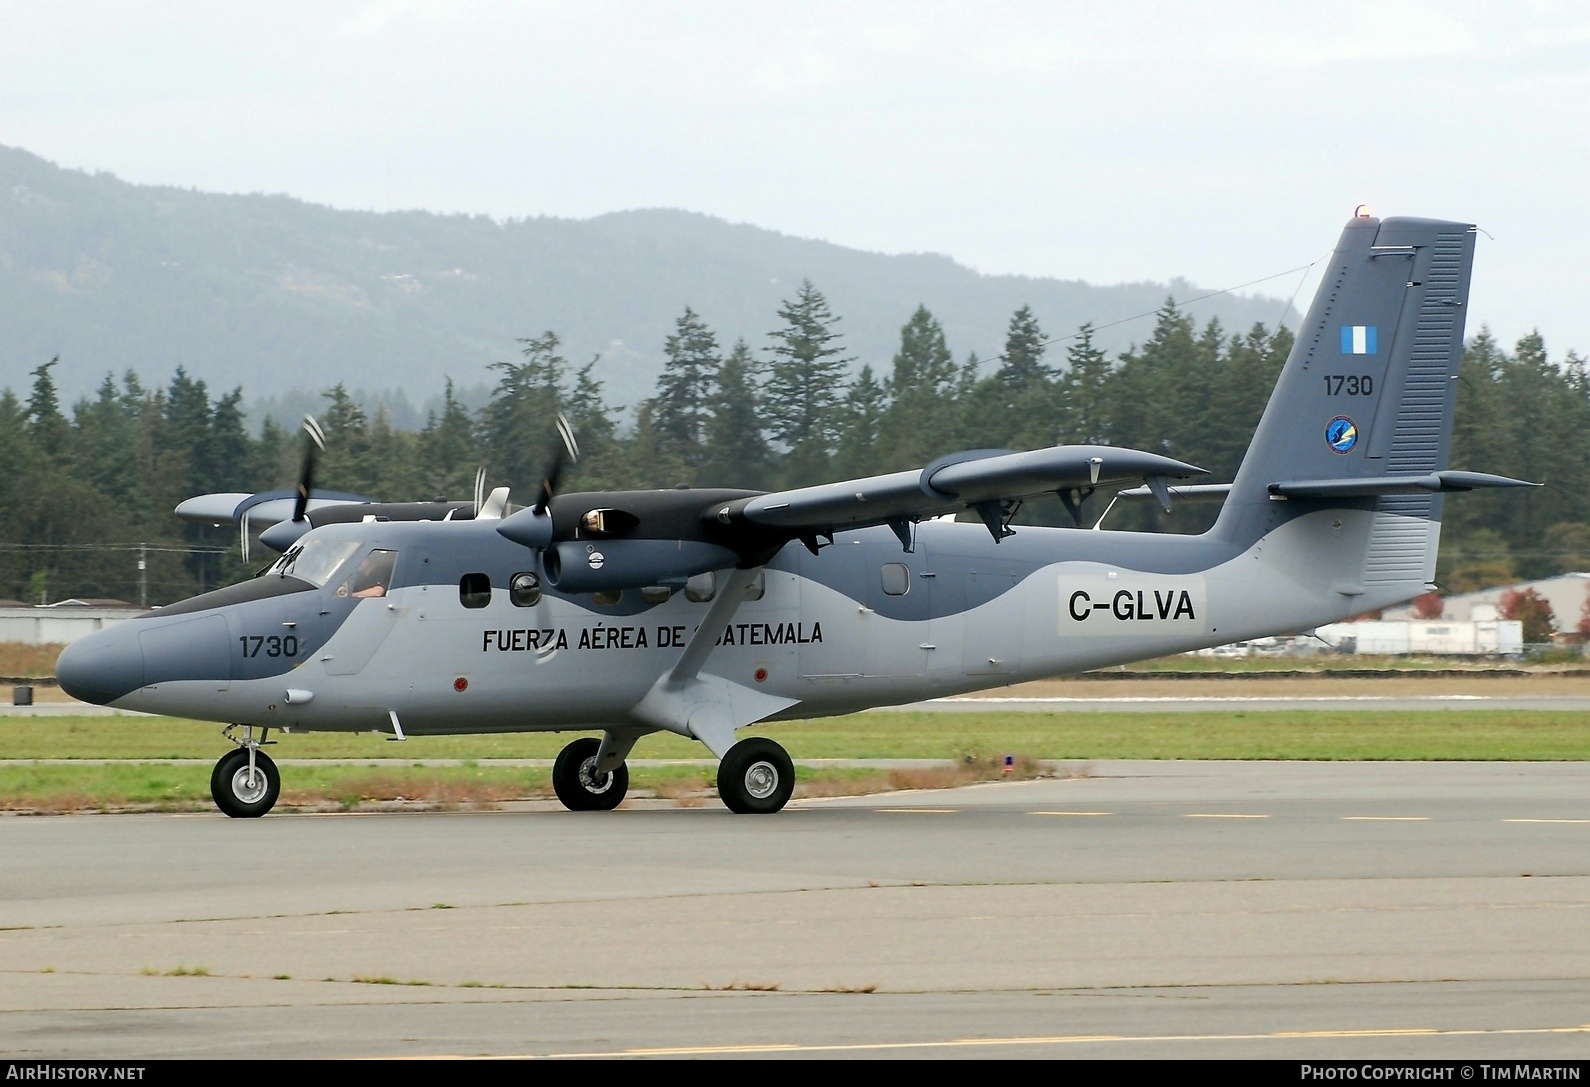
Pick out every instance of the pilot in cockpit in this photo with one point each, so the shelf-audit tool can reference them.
(371, 578)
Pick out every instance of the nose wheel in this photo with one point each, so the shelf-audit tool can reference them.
(578, 783)
(245, 788)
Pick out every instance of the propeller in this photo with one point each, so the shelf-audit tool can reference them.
(532, 526)
(306, 477)
(480, 489)
(565, 451)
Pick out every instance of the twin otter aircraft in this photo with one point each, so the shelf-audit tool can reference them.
(700, 612)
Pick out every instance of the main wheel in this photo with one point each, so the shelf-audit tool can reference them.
(756, 777)
(579, 786)
(237, 795)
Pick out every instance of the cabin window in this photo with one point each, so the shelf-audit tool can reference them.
(896, 578)
(758, 587)
(371, 578)
(701, 588)
(607, 597)
(656, 594)
(474, 590)
(524, 590)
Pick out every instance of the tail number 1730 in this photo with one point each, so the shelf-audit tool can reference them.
(273, 645)
(1349, 384)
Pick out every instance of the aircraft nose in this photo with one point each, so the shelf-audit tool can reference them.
(102, 667)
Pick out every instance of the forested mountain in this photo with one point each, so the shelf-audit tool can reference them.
(82, 487)
(275, 294)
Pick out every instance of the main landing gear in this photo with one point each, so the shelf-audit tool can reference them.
(755, 777)
(245, 783)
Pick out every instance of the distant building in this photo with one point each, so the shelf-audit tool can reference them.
(60, 623)
(1565, 593)
(1426, 637)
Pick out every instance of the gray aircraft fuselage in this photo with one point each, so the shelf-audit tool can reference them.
(824, 633)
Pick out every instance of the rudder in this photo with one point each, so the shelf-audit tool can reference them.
(1367, 394)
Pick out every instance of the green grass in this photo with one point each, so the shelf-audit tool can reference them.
(1334, 734)
(1333, 662)
(183, 788)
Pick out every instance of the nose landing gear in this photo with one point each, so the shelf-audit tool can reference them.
(580, 785)
(245, 782)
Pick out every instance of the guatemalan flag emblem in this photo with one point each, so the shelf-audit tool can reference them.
(1358, 339)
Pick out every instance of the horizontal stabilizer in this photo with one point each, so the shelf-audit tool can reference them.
(264, 508)
(1431, 483)
(1191, 492)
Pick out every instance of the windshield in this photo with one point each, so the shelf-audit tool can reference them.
(316, 560)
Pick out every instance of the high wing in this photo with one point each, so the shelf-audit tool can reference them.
(992, 482)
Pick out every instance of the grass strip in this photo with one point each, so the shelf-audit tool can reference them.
(104, 787)
(1528, 735)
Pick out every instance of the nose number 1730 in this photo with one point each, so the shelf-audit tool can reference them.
(274, 645)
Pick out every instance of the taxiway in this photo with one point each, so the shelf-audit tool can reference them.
(1137, 908)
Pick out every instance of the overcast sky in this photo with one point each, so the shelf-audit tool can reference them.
(1218, 141)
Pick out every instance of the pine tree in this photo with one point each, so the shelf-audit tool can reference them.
(517, 423)
(449, 449)
(863, 410)
(737, 453)
(46, 425)
(1084, 420)
(919, 422)
(1022, 369)
(681, 408)
(602, 462)
(803, 389)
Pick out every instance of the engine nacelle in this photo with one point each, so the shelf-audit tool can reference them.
(588, 566)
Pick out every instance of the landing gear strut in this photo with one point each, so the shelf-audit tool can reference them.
(756, 777)
(580, 785)
(245, 783)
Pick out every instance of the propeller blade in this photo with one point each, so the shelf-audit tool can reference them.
(480, 489)
(306, 478)
(565, 451)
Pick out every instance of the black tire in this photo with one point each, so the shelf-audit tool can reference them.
(756, 777)
(575, 782)
(229, 785)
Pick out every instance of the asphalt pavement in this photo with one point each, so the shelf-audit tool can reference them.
(1168, 909)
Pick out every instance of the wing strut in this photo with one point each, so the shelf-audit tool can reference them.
(703, 706)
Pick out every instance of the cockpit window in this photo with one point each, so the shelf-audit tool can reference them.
(371, 578)
(316, 560)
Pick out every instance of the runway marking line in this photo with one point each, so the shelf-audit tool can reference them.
(917, 811)
(1071, 813)
(1223, 815)
(1385, 818)
(1546, 820)
(1058, 1039)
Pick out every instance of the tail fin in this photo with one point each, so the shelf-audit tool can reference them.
(1362, 413)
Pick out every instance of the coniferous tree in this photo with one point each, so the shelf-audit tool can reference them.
(682, 406)
(449, 449)
(919, 422)
(862, 413)
(46, 425)
(737, 453)
(804, 383)
(517, 423)
(1083, 419)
